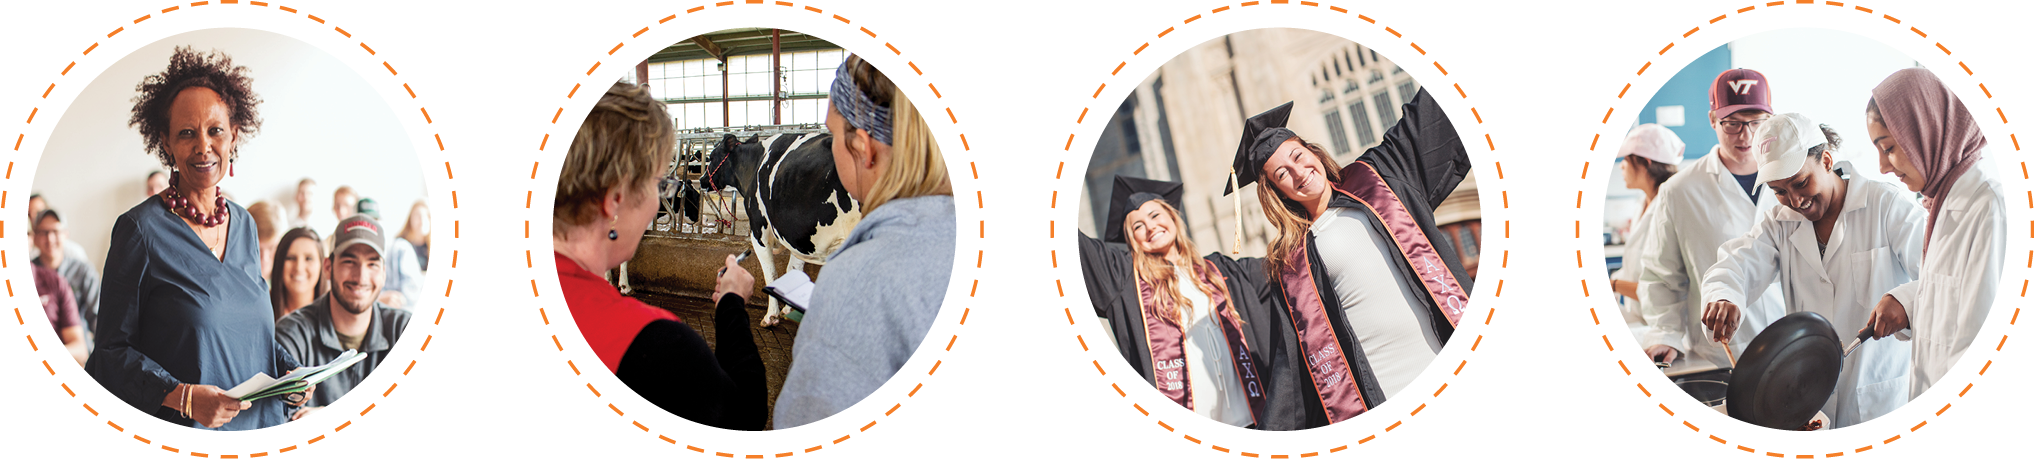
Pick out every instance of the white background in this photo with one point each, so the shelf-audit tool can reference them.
(1016, 382)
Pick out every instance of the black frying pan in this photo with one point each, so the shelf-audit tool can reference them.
(1787, 372)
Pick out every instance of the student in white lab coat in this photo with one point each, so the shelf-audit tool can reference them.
(1836, 245)
(1651, 154)
(1713, 199)
(1925, 137)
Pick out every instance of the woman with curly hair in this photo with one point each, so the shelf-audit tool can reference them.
(183, 310)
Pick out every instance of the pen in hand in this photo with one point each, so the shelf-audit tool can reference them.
(738, 259)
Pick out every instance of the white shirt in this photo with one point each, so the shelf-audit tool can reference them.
(403, 274)
(1875, 246)
(1694, 213)
(1959, 276)
(1387, 319)
(1211, 372)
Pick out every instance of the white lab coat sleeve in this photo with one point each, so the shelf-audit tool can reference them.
(1907, 293)
(1745, 265)
(1663, 282)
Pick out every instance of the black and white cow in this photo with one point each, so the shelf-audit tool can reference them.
(792, 194)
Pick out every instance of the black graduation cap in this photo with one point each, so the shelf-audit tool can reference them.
(1131, 193)
(1262, 134)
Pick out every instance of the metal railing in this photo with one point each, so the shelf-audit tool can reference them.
(720, 211)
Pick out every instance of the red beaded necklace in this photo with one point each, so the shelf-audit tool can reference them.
(180, 205)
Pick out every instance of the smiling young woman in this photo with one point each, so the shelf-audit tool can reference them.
(1185, 324)
(1341, 229)
(1834, 246)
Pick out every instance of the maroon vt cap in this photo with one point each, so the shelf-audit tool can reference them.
(1737, 90)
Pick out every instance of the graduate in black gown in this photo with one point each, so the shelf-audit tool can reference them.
(1175, 318)
(1376, 210)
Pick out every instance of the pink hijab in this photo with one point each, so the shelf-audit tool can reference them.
(1931, 125)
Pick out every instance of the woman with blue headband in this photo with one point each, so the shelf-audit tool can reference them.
(882, 288)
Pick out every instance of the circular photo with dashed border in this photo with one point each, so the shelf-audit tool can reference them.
(1367, 235)
(1335, 283)
(753, 228)
(1806, 229)
(179, 295)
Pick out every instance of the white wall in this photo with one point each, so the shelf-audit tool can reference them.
(319, 120)
(1827, 75)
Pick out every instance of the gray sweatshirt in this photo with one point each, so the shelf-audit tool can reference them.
(872, 305)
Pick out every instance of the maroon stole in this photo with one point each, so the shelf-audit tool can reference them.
(1326, 364)
(1167, 344)
(1360, 181)
(1333, 381)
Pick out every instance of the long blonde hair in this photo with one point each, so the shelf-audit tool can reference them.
(1288, 216)
(1159, 272)
(916, 167)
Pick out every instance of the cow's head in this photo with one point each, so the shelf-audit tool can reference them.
(721, 164)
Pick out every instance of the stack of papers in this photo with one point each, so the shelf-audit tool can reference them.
(795, 290)
(262, 386)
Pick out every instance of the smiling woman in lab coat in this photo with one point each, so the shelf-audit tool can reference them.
(1925, 137)
(1835, 246)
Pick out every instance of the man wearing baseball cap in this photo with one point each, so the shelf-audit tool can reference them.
(348, 317)
(1835, 245)
(1713, 199)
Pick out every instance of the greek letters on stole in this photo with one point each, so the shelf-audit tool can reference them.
(1167, 343)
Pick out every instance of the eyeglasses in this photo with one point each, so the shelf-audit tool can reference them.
(1737, 127)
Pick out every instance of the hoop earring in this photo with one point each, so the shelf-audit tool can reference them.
(611, 234)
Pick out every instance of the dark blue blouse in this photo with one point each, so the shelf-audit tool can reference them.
(170, 313)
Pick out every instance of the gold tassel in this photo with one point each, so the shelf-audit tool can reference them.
(1237, 248)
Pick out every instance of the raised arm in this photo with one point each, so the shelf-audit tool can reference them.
(1423, 149)
(1104, 269)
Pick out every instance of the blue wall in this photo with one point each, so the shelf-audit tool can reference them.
(1690, 89)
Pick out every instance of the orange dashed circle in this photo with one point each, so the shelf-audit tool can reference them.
(543, 143)
(1616, 322)
(287, 13)
(1443, 86)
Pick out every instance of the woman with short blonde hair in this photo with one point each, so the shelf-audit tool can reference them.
(606, 197)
